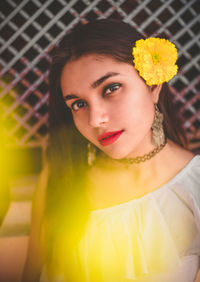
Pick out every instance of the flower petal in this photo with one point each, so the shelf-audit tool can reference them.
(155, 60)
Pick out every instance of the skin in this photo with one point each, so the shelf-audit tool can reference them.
(131, 108)
(121, 102)
(128, 104)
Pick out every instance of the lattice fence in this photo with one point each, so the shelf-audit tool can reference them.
(29, 29)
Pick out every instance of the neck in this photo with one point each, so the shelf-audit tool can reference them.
(112, 183)
(151, 168)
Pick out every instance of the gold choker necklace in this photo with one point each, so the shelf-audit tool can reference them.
(143, 158)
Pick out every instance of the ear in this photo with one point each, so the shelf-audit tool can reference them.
(155, 92)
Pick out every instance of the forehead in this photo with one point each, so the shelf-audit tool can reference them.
(87, 69)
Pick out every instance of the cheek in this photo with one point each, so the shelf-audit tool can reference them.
(142, 118)
(78, 123)
(138, 111)
(81, 123)
(134, 105)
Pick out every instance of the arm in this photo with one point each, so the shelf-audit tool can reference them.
(35, 256)
(198, 277)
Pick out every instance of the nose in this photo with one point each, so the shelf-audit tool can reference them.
(98, 116)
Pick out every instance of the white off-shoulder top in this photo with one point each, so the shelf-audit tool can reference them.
(155, 238)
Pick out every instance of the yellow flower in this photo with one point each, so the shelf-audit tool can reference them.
(155, 59)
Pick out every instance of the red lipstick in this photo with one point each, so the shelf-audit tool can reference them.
(109, 137)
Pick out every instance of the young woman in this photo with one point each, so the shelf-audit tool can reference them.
(122, 199)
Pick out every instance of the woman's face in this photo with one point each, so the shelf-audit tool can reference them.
(111, 105)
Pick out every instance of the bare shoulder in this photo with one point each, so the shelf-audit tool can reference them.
(181, 156)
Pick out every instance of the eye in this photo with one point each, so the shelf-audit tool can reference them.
(111, 88)
(77, 105)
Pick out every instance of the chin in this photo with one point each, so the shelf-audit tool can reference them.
(117, 155)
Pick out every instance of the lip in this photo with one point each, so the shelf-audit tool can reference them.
(109, 137)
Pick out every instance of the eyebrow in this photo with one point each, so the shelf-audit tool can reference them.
(103, 78)
(69, 97)
(95, 84)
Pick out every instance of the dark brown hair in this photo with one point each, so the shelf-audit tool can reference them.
(67, 148)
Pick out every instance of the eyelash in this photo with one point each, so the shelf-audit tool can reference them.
(75, 104)
(108, 87)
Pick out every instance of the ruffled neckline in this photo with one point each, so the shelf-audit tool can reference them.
(161, 188)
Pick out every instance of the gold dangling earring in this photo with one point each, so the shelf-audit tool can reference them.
(91, 154)
(158, 136)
